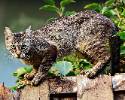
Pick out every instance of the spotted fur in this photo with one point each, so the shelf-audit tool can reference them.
(86, 32)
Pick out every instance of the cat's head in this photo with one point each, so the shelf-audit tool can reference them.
(15, 42)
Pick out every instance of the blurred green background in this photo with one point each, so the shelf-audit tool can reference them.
(18, 15)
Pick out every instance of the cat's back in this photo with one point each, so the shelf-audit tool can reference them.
(86, 27)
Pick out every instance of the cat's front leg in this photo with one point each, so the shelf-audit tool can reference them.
(41, 75)
(46, 63)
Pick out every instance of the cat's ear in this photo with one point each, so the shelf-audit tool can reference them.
(8, 32)
(28, 30)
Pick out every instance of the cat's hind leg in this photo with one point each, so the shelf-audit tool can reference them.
(97, 68)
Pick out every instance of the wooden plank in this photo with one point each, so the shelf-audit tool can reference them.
(30, 93)
(63, 96)
(44, 91)
(35, 93)
(119, 95)
(118, 82)
(99, 88)
(64, 85)
(63, 89)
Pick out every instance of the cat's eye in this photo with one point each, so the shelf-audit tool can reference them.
(13, 46)
(7, 38)
(23, 46)
(17, 35)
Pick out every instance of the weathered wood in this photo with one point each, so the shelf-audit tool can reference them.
(63, 96)
(118, 82)
(64, 85)
(72, 88)
(64, 89)
(59, 88)
(99, 88)
(119, 95)
(35, 93)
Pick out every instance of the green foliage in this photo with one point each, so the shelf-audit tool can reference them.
(93, 6)
(109, 2)
(50, 5)
(17, 86)
(68, 13)
(63, 3)
(50, 8)
(115, 10)
(21, 71)
(122, 35)
(70, 65)
(50, 2)
(122, 50)
(19, 74)
(85, 64)
(64, 67)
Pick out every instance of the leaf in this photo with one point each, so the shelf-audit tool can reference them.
(112, 12)
(122, 50)
(21, 71)
(109, 13)
(123, 13)
(63, 3)
(62, 9)
(68, 13)
(109, 2)
(122, 26)
(13, 88)
(64, 67)
(53, 71)
(50, 19)
(85, 64)
(49, 8)
(94, 6)
(71, 73)
(104, 9)
(50, 2)
(20, 85)
(123, 1)
(28, 69)
(122, 35)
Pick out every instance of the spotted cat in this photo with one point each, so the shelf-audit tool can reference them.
(87, 32)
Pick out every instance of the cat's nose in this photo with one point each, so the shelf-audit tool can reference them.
(16, 55)
(18, 52)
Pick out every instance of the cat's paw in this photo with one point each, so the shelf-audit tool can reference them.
(90, 74)
(35, 82)
(29, 76)
(38, 79)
